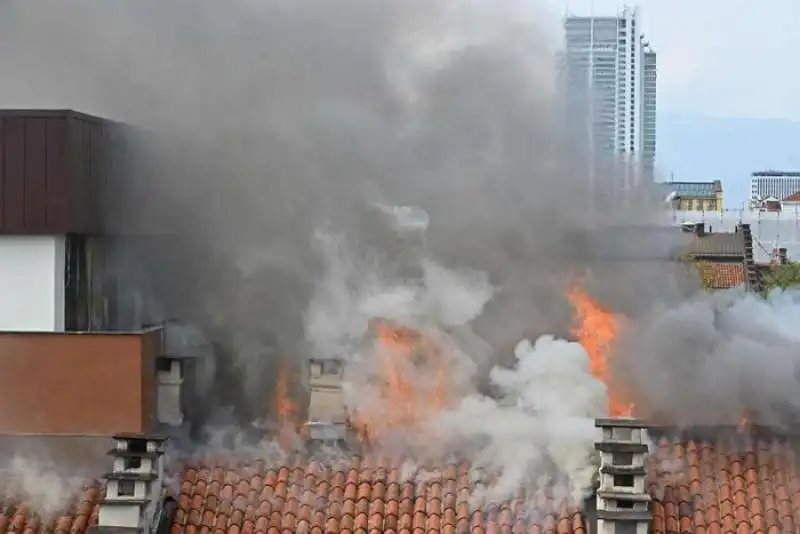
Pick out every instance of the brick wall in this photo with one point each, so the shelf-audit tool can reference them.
(77, 383)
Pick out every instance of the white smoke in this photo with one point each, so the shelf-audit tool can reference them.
(534, 432)
(40, 484)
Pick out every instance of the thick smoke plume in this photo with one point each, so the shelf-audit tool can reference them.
(716, 359)
(309, 167)
(259, 123)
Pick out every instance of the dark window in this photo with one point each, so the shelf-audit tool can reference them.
(623, 458)
(126, 488)
(164, 365)
(625, 505)
(623, 481)
(137, 446)
(133, 462)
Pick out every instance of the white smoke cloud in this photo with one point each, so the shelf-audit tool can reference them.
(535, 431)
(42, 485)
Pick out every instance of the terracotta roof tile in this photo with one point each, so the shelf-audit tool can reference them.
(714, 488)
(697, 487)
(722, 275)
(75, 518)
(356, 497)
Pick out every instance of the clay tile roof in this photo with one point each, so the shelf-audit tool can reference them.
(696, 487)
(361, 496)
(722, 275)
(715, 488)
(76, 516)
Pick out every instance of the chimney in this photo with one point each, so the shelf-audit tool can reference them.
(133, 494)
(170, 383)
(700, 229)
(623, 503)
(783, 258)
(326, 403)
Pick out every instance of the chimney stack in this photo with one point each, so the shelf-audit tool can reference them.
(170, 381)
(133, 494)
(623, 503)
(325, 384)
(700, 229)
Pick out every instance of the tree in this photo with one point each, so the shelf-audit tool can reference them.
(782, 276)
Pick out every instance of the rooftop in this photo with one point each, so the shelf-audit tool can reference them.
(744, 485)
(692, 189)
(717, 275)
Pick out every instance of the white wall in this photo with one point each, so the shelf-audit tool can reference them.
(32, 283)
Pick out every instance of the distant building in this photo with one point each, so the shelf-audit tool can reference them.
(773, 186)
(694, 196)
(610, 83)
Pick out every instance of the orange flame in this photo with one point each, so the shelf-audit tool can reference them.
(596, 328)
(411, 384)
(286, 410)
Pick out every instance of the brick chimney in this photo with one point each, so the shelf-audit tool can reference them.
(133, 498)
(623, 503)
(326, 401)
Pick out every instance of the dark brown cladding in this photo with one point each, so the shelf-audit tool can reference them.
(52, 171)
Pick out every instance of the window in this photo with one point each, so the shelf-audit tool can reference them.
(625, 527)
(623, 481)
(164, 365)
(331, 367)
(623, 458)
(712, 205)
(137, 446)
(625, 505)
(126, 488)
(133, 462)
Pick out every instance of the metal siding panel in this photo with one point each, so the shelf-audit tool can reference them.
(57, 199)
(2, 170)
(35, 175)
(96, 176)
(75, 187)
(14, 183)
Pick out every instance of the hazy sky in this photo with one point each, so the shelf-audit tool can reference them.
(719, 58)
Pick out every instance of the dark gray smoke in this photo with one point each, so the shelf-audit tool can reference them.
(260, 122)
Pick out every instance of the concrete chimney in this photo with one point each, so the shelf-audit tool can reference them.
(623, 503)
(170, 382)
(133, 499)
(326, 403)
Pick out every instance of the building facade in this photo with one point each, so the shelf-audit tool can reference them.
(610, 77)
(772, 186)
(694, 196)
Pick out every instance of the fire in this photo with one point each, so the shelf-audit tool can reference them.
(287, 411)
(410, 382)
(596, 328)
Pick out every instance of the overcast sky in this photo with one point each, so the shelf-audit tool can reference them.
(719, 58)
